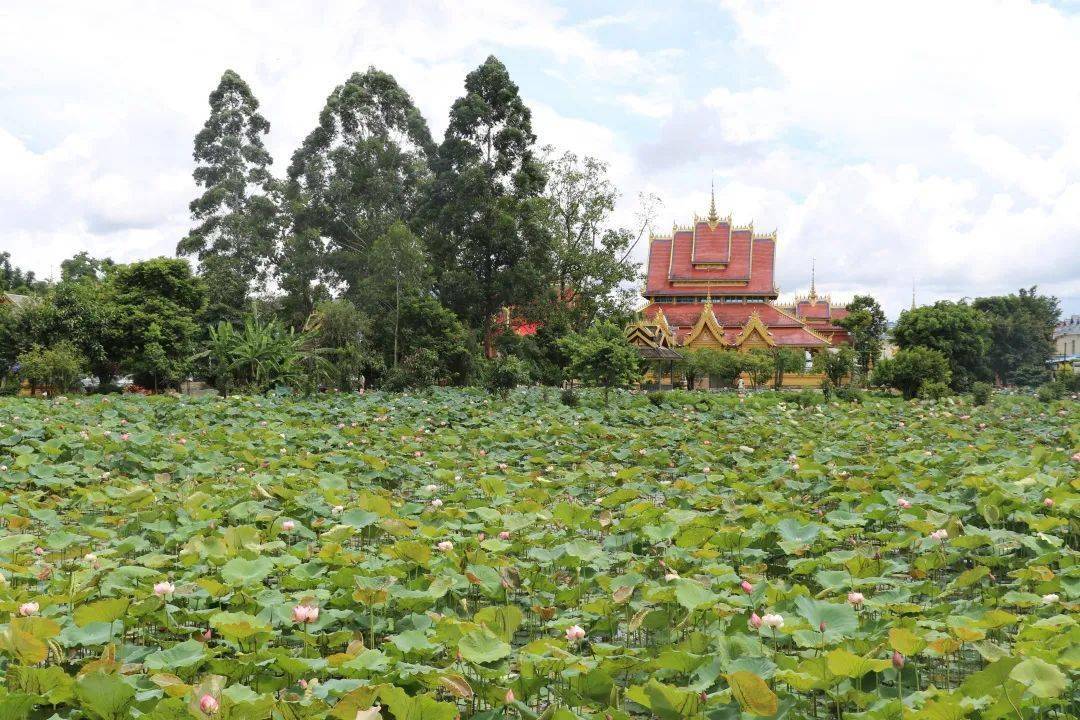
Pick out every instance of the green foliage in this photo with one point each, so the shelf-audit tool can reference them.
(956, 330)
(866, 323)
(980, 393)
(58, 367)
(1021, 333)
(721, 366)
(910, 368)
(635, 522)
(934, 390)
(836, 365)
(16, 280)
(362, 169)
(590, 264)
(785, 360)
(503, 374)
(601, 357)
(157, 305)
(237, 218)
(1051, 391)
(491, 246)
(569, 397)
(337, 331)
(760, 365)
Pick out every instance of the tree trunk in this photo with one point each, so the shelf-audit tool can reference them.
(397, 314)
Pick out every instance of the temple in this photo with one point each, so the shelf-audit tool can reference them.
(711, 284)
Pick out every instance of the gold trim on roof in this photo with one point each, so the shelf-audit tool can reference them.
(754, 325)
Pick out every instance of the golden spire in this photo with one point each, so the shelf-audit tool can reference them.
(912, 294)
(713, 217)
(813, 283)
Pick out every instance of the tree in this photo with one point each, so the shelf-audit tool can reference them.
(340, 330)
(363, 168)
(866, 324)
(491, 245)
(760, 366)
(589, 257)
(236, 217)
(506, 373)
(58, 367)
(785, 360)
(601, 356)
(158, 304)
(910, 368)
(427, 325)
(835, 364)
(955, 329)
(82, 267)
(724, 366)
(16, 280)
(1021, 334)
(399, 270)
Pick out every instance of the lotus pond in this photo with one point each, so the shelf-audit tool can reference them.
(424, 557)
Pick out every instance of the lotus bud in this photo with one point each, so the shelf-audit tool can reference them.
(209, 704)
(509, 698)
(821, 626)
(746, 586)
(755, 621)
(897, 660)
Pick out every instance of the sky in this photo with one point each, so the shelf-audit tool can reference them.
(932, 146)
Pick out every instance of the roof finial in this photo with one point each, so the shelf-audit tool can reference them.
(708, 293)
(912, 294)
(813, 279)
(713, 217)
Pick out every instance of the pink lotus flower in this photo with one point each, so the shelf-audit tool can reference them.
(504, 535)
(445, 546)
(303, 683)
(125, 437)
(337, 509)
(903, 503)
(897, 660)
(746, 586)
(39, 551)
(28, 609)
(1048, 502)
(209, 704)
(671, 576)
(706, 469)
(436, 503)
(509, 698)
(940, 535)
(856, 598)
(164, 588)
(288, 526)
(755, 621)
(207, 634)
(305, 613)
(1076, 457)
(575, 633)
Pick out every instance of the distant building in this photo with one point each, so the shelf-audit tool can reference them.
(1067, 341)
(13, 299)
(711, 284)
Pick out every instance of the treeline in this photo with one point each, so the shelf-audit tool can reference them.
(960, 346)
(379, 256)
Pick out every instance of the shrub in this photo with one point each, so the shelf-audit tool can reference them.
(1051, 391)
(657, 398)
(980, 393)
(58, 367)
(836, 365)
(506, 373)
(848, 393)
(569, 397)
(912, 367)
(805, 398)
(934, 390)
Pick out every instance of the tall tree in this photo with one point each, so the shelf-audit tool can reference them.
(81, 266)
(956, 330)
(399, 271)
(236, 216)
(363, 168)
(589, 256)
(16, 280)
(865, 322)
(1021, 334)
(491, 247)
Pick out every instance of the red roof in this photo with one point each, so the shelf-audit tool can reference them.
(717, 259)
(784, 329)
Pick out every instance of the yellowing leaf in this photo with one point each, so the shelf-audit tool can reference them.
(752, 693)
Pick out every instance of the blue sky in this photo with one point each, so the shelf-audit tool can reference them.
(925, 142)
